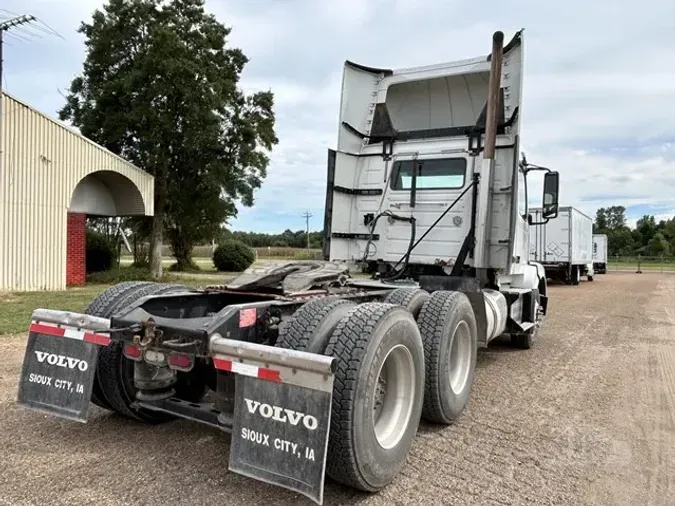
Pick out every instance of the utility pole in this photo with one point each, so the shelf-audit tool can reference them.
(307, 216)
(4, 27)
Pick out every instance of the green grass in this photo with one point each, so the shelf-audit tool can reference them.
(205, 264)
(645, 266)
(16, 308)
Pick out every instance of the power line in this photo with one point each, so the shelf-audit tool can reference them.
(307, 216)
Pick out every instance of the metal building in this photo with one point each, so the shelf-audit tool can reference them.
(51, 178)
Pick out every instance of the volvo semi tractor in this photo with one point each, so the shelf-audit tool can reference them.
(316, 370)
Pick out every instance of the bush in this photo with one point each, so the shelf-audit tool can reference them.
(101, 253)
(233, 256)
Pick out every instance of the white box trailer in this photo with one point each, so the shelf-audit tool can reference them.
(563, 245)
(600, 253)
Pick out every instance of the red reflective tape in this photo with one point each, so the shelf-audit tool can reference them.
(52, 330)
(269, 375)
(250, 370)
(247, 317)
(96, 339)
(223, 365)
(47, 329)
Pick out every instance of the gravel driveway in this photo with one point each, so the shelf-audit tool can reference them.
(585, 417)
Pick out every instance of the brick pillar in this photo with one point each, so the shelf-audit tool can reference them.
(76, 249)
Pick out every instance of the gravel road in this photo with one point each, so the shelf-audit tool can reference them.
(585, 417)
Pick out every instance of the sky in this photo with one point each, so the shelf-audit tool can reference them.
(599, 86)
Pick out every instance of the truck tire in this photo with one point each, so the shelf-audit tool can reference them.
(311, 326)
(102, 307)
(372, 428)
(576, 275)
(449, 332)
(115, 373)
(410, 298)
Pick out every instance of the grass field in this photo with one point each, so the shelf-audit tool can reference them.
(206, 264)
(16, 308)
(645, 266)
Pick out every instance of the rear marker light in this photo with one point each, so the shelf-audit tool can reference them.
(180, 362)
(247, 317)
(132, 352)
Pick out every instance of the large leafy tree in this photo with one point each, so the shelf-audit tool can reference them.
(159, 86)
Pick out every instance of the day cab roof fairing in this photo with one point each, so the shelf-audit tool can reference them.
(426, 102)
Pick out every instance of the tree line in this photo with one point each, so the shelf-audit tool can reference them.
(287, 239)
(648, 238)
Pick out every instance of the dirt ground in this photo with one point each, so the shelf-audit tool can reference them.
(585, 417)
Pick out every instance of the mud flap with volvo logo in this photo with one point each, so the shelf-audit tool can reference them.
(60, 363)
(281, 414)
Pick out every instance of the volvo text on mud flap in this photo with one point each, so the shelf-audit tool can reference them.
(282, 414)
(60, 363)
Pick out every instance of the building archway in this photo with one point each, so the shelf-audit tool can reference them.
(101, 193)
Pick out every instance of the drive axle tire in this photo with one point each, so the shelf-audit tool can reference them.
(115, 372)
(448, 327)
(103, 306)
(377, 394)
(410, 298)
(311, 326)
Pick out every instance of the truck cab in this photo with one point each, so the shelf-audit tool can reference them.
(411, 188)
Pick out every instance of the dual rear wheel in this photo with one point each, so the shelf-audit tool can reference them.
(391, 372)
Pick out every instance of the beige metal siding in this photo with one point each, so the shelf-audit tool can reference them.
(43, 161)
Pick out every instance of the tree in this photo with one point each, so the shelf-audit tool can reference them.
(610, 218)
(600, 224)
(645, 228)
(658, 246)
(159, 87)
(620, 242)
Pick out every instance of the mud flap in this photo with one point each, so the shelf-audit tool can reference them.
(280, 435)
(281, 415)
(59, 365)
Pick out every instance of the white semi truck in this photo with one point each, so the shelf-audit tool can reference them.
(564, 245)
(312, 371)
(600, 253)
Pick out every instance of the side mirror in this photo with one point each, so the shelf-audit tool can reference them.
(550, 201)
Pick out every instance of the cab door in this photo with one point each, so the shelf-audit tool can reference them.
(424, 187)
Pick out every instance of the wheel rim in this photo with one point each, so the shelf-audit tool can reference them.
(460, 357)
(393, 396)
